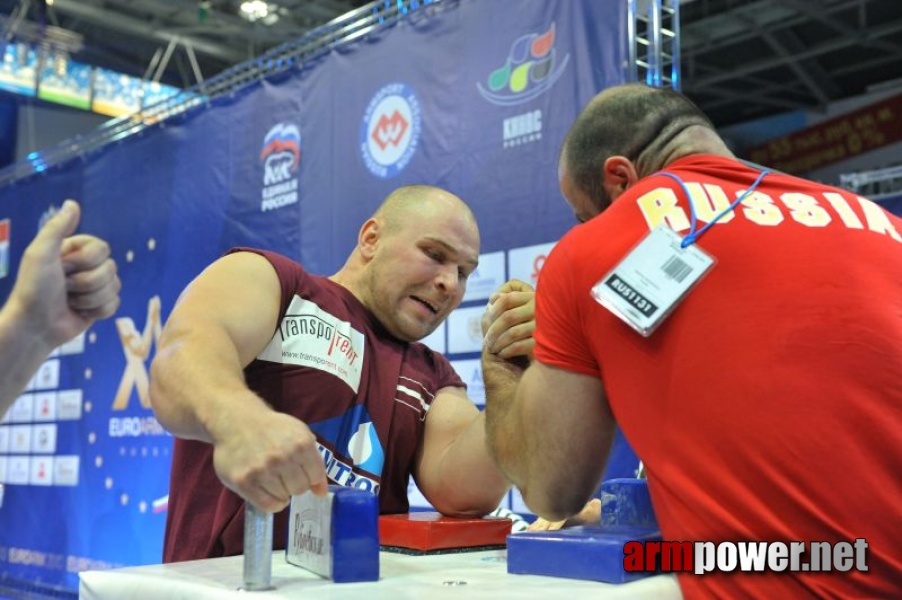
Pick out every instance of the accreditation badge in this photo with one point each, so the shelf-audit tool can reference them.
(649, 283)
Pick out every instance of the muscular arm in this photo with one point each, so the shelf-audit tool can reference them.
(551, 437)
(454, 469)
(222, 321)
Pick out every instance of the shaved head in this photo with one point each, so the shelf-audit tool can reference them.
(410, 202)
(412, 260)
(644, 124)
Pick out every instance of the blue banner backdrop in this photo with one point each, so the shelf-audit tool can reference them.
(474, 96)
(892, 204)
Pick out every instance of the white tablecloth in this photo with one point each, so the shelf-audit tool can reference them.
(464, 576)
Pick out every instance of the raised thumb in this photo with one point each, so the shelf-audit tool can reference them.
(61, 225)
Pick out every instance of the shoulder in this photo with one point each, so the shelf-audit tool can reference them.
(280, 262)
(557, 263)
(420, 354)
(290, 272)
(426, 365)
(295, 282)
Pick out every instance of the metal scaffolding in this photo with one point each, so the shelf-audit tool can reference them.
(653, 38)
(296, 54)
(876, 185)
(654, 42)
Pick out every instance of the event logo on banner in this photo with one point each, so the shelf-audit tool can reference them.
(281, 157)
(137, 348)
(529, 70)
(390, 130)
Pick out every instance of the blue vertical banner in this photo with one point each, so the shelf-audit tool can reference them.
(471, 95)
(528, 74)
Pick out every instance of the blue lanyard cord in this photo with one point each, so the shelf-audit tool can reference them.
(693, 235)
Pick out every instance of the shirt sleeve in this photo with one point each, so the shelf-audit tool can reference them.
(445, 375)
(560, 328)
(292, 276)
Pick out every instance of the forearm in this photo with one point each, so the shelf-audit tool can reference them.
(22, 351)
(471, 482)
(550, 431)
(502, 428)
(562, 459)
(197, 388)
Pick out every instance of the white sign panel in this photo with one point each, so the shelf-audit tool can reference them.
(526, 263)
(487, 277)
(465, 330)
(45, 406)
(68, 407)
(47, 375)
(436, 339)
(471, 372)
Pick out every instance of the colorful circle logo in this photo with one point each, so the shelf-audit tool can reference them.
(529, 70)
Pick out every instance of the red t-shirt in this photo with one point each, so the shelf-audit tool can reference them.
(768, 406)
(364, 393)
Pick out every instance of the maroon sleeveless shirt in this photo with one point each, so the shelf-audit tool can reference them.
(364, 393)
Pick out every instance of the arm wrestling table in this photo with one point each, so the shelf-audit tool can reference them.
(458, 576)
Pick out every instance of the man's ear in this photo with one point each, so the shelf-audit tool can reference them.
(368, 238)
(619, 174)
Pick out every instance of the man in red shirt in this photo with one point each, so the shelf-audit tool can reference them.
(766, 404)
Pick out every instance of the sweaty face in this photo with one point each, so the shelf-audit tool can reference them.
(419, 272)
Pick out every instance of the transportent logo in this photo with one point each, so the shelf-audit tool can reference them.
(311, 336)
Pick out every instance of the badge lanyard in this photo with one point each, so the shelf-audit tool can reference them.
(656, 275)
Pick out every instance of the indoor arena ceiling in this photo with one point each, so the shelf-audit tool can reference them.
(741, 59)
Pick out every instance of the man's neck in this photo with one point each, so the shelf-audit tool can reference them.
(350, 278)
(691, 141)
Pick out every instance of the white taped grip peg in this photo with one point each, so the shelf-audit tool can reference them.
(335, 536)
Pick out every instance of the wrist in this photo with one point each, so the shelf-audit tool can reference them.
(505, 369)
(31, 333)
(238, 415)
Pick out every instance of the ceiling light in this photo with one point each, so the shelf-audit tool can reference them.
(258, 10)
